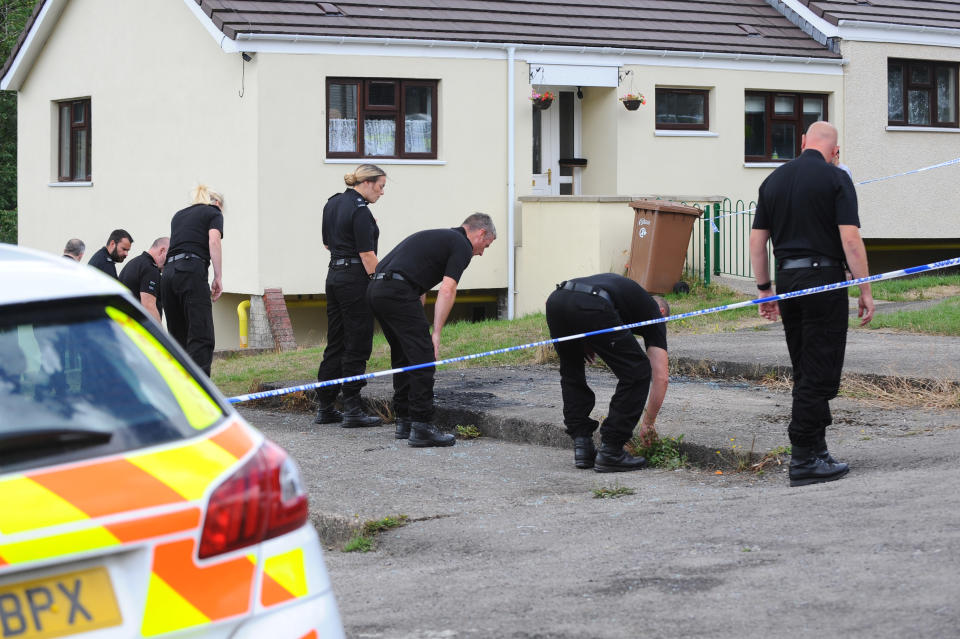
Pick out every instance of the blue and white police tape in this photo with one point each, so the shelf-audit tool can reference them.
(716, 309)
(860, 183)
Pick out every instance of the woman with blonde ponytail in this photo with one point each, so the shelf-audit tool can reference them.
(350, 233)
(187, 298)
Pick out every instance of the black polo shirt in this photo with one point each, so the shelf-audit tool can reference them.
(189, 230)
(348, 225)
(802, 203)
(633, 304)
(426, 257)
(102, 260)
(141, 275)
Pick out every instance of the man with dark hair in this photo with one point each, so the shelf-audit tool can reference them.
(115, 252)
(142, 276)
(396, 295)
(808, 207)
(74, 249)
(587, 304)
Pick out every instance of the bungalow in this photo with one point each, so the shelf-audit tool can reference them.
(124, 106)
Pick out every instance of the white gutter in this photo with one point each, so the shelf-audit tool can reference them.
(511, 186)
(32, 45)
(864, 31)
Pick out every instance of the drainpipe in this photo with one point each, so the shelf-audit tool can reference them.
(511, 186)
(243, 309)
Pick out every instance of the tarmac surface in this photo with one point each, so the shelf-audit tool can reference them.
(506, 539)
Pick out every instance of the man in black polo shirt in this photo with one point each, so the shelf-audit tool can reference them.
(396, 295)
(142, 276)
(115, 252)
(808, 207)
(592, 303)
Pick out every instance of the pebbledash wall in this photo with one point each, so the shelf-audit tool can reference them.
(167, 114)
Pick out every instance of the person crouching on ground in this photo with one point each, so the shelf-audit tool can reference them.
(592, 303)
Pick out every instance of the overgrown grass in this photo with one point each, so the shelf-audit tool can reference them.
(702, 296)
(365, 539)
(906, 289)
(941, 319)
(663, 452)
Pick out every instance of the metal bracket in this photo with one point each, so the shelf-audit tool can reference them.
(622, 75)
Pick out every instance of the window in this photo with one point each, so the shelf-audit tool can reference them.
(922, 93)
(684, 109)
(74, 141)
(381, 118)
(774, 123)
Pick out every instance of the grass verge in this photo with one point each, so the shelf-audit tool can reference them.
(908, 289)
(365, 539)
(941, 319)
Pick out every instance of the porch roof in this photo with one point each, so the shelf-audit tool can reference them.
(944, 14)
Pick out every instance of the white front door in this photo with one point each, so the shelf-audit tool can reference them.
(556, 137)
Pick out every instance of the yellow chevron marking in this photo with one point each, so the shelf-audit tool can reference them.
(287, 570)
(27, 505)
(189, 470)
(167, 610)
(58, 545)
(198, 407)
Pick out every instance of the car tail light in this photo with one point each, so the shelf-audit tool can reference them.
(265, 498)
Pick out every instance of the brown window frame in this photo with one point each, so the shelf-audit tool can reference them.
(929, 87)
(770, 118)
(75, 129)
(677, 126)
(398, 110)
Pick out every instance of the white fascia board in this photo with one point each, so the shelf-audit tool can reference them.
(32, 45)
(225, 43)
(863, 31)
(534, 54)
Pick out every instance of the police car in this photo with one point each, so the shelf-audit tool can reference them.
(134, 501)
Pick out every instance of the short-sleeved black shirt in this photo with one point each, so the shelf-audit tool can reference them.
(190, 227)
(348, 225)
(141, 275)
(802, 203)
(102, 260)
(633, 304)
(426, 257)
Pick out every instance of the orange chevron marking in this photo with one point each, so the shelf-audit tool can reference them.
(147, 527)
(310, 635)
(89, 487)
(235, 440)
(273, 593)
(3, 562)
(217, 590)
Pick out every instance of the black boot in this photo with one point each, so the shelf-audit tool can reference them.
(353, 415)
(423, 435)
(584, 452)
(821, 451)
(403, 428)
(612, 458)
(806, 467)
(327, 414)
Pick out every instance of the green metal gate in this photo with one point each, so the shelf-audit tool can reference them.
(720, 243)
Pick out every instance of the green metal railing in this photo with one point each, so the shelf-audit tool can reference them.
(720, 242)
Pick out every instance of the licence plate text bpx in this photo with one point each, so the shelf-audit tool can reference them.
(59, 605)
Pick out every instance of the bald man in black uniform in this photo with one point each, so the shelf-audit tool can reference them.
(396, 295)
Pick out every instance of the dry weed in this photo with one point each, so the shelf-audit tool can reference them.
(902, 392)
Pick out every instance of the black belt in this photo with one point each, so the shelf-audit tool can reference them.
(185, 256)
(344, 261)
(807, 262)
(389, 276)
(586, 288)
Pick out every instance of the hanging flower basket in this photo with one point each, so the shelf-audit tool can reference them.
(632, 101)
(543, 100)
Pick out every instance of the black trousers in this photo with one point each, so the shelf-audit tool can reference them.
(397, 307)
(349, 331)
(186, 301)
(816, 331)
(571, 312)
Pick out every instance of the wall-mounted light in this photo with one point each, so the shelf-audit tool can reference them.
(247, 57)
(579, 93)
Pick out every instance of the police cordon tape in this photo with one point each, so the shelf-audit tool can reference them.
(861, 183)
(716, 309)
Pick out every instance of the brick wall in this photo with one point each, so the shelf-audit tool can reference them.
(279, 319)
(259, 334)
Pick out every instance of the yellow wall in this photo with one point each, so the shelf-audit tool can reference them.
(915, 206)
